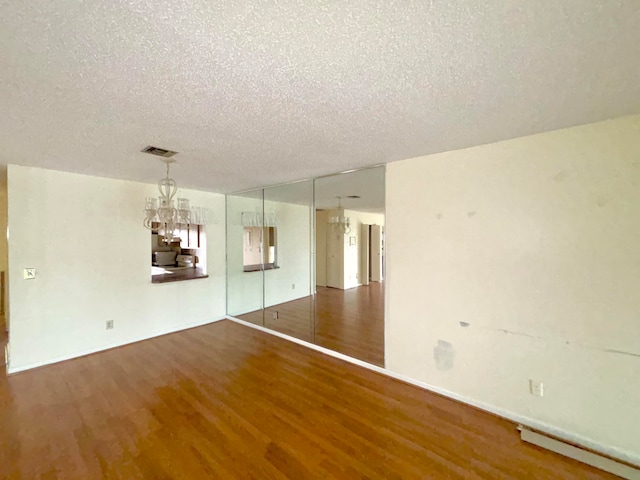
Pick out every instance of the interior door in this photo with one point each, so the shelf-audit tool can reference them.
(375, 253)
(335, 259)
(364, 254)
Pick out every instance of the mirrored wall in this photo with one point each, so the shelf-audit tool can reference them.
(349, 234)
(307, 259)
(269, 258)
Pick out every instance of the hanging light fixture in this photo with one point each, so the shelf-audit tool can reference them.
(340, 223)
(163, 210)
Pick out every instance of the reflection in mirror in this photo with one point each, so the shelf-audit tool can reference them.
(288, 286)
(244, 288)
(349, 301)
(259, 249)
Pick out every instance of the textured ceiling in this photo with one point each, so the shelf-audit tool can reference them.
(257, 93)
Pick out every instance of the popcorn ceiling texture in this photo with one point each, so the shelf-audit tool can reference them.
(256, 93)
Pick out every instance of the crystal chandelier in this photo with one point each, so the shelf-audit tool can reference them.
(340, 223)
(163, 211)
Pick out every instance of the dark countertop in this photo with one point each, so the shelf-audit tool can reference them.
(258, 267)
(178, 275)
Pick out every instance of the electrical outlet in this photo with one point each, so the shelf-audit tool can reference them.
(536, 388)
(275, 315)
(29, 273)
(109, 324)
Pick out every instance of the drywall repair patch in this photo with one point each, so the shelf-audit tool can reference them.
(443, 354)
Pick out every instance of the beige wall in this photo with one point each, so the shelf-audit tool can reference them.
(535, 244)
(84, 236)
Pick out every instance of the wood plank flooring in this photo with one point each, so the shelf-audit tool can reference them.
(346, 321)
(225, 401)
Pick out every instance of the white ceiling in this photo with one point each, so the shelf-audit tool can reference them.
(258, 93)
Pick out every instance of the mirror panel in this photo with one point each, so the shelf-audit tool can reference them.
(349, 236)
(333, 298)
(288, 243)
(245, 286)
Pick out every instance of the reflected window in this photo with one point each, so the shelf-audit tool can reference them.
(259, 248)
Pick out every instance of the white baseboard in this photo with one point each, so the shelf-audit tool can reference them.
(11, 370)
(571, 437)
(584, 456)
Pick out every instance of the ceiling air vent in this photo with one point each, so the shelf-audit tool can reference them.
(161, 152)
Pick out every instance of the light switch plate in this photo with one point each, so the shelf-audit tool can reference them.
(29, 273)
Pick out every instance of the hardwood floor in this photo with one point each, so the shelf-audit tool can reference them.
(346, 321)
(225, 401)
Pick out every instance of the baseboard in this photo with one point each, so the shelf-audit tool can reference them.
(11, 370)
(579, 454)
(571, 437)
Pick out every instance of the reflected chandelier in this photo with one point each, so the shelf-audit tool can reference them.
(340, 223)
(163, 211)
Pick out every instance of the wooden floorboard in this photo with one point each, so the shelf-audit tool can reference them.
(227, 401)
(346, 321)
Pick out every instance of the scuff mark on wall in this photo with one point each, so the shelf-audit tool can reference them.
(471, 214)
(566, 342)
(511, 332)
(602, 202)
(443, 354)
(561, 176)
(439, 216)
(621, 352)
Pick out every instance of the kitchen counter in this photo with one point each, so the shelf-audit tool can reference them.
(176, 274)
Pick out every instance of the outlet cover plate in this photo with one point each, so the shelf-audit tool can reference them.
(536, 388)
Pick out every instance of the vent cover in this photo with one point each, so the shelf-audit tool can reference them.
(161, 152)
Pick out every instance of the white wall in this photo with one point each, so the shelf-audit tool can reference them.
(293, 256)
(535, 243)
(84, 236)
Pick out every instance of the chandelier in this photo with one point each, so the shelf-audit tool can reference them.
(163, 211)
(340, 223)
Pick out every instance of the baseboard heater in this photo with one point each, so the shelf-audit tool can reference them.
(580, 454)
